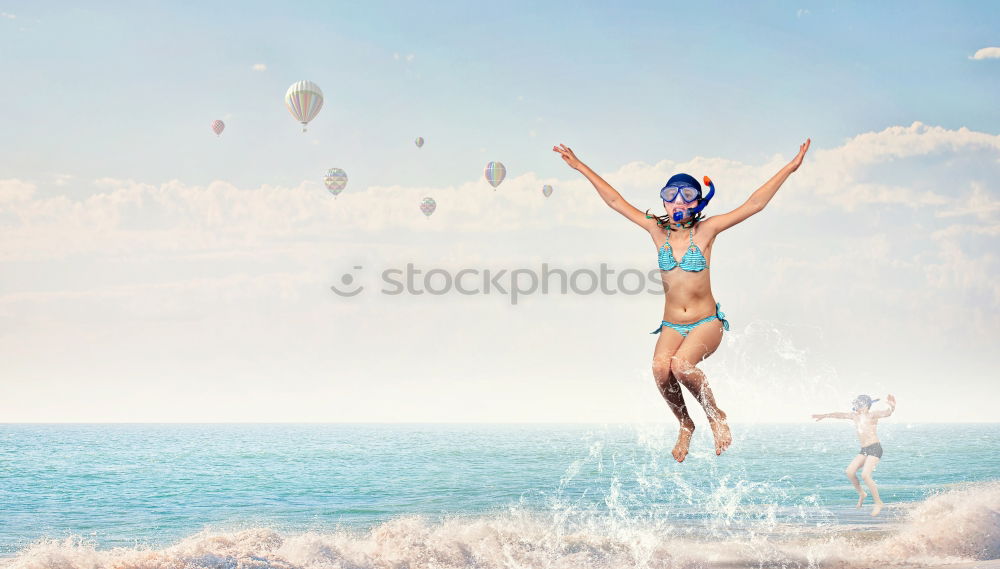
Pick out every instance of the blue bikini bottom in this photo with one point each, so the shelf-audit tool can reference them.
(685, 329)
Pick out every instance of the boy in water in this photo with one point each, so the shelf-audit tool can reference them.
(865, 421)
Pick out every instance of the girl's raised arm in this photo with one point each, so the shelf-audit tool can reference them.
(604, 189)
(760, 197)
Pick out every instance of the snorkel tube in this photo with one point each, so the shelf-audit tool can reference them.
(702, 202)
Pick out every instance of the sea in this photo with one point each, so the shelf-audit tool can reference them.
(442, 496)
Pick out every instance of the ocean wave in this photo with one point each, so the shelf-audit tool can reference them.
(959, 525)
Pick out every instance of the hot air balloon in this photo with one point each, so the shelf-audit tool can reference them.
(218, 126)
(428, 205)
(547, 190)
(304, 100)
(335, 180)
(419, 142)
(495, 173)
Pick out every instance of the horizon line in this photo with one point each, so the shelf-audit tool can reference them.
(445, 423)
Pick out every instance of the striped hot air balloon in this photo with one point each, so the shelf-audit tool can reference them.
(304, 100)
(495, 173)
(419, 142)
(218, 126)
(335, 180)
(427, 206)
(547, 190)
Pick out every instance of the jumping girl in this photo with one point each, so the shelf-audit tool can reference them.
(692, 324)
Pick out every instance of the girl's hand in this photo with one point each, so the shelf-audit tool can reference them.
(568, 156)
(891, 400)
(797, 161)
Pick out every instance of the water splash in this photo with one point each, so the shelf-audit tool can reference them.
(956, 526)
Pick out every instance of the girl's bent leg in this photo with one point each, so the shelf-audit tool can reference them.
(670, 389)
(699, 344)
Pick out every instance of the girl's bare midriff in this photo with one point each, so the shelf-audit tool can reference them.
(687, 296)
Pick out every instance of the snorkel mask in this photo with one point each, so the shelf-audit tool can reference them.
(689, 191)
(862, 402)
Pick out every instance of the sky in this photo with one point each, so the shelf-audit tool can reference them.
(153, 271)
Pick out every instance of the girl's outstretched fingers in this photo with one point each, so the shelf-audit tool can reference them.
(568, 156)
(803, 148)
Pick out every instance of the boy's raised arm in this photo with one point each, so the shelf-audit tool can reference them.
(832, 416)
(891, 401)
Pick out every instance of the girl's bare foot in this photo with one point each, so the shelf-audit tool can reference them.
(683, 441)
(877, 508)
(861, 500)
(720, 431)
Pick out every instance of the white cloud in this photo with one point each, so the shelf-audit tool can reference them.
(259, 67)
(957, 270)
(8, 16)
(987, 53)
(978, 203)
(801, 12)
(126, 217)
(62, 179)
(14, 190)
(836, 177)
(150, 298)
(127, 214)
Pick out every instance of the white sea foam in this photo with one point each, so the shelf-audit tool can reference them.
(960, 525)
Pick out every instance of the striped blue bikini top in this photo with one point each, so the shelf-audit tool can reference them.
(692, 261)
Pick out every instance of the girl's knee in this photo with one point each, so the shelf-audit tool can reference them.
(661, 368)
(850, 473)
(684, 371)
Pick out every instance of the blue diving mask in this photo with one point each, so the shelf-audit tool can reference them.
(687, 193)
(689, 190)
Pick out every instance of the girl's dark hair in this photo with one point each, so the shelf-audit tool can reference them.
(664, 220)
